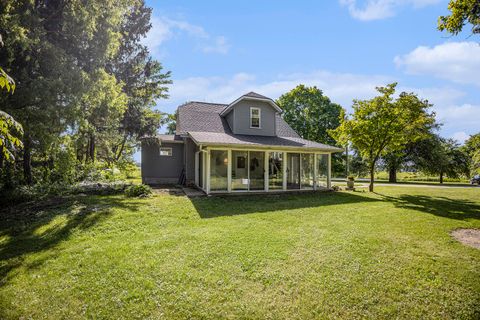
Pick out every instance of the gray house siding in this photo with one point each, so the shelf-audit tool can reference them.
(231, 120)
(158, 169)
(241, 118)
(190, 149)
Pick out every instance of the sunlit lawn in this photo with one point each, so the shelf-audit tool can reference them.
(323, 255)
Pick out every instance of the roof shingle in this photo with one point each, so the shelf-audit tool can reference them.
(204, 123)
(217, 138)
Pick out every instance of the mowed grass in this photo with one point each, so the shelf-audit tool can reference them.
(325, 255)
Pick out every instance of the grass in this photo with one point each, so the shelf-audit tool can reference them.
(348, 255)
(417, 177)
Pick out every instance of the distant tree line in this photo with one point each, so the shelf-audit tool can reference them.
(86, 87)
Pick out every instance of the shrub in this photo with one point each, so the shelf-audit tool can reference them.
(139, 190)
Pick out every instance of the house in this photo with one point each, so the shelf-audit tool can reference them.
(243, 146)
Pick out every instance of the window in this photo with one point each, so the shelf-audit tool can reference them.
(166, 152)
(255, 115)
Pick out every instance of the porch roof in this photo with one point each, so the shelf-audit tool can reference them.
(224, 139)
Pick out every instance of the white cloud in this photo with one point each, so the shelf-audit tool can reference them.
(164, 29)
(342, 88)
(381, 9)
(438, 96)
(461, 116)
(460, 136)
(455, 61)
(220, 46)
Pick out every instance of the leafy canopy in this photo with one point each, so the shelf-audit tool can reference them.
(472, 147)
(436, 155)
(382, 125)
(462, 12)
(310, 113)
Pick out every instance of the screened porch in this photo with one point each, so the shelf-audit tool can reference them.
(239, 170)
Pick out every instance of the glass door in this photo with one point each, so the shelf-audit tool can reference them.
(257, 170)
(293, 171)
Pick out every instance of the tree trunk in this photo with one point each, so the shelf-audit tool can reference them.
(91, 148)
(27, 159)
(346, 161)
(372, 178)
(441, 177)
(392, 174)
(122, 146)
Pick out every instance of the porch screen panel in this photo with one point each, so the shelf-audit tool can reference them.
(240, 170)
(307, 170)
(322, 170)
(293, 171)
(257, 170)
(275, 170)
(218, 170)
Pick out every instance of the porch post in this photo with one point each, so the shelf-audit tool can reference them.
(329, 171)
(208, 171)
(197, 167)
(314, 171)
(265, 170)
(229, 172)
(284, 171)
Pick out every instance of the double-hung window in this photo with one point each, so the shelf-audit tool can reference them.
(167, 152)
(255, 117)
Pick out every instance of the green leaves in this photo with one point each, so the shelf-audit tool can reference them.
(382, 124)
(462, 12)
(6, 82)
(310, 113)
(8, 141)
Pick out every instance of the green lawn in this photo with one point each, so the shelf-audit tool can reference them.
(324, 255)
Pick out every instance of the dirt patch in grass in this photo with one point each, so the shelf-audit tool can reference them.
(469, 237)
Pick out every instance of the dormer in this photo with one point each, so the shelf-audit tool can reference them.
(252, 114)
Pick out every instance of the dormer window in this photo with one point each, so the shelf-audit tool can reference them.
(255, 116)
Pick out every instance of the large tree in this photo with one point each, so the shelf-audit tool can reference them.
(439, 156)
(143, 78)
(383, 125)
(60, 53)
(462, 12)
(394, 160)
(472, 147)
(312, 114)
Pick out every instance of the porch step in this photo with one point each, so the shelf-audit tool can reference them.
(193, 192)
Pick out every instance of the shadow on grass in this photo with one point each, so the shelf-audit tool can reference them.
(26, 226)
(221, 206)
(459, 209)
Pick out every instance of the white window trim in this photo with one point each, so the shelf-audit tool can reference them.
(168, 149)
(259, 118)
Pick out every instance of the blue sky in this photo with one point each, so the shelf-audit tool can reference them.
(219, 50)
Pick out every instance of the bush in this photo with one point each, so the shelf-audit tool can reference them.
(139, 190)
